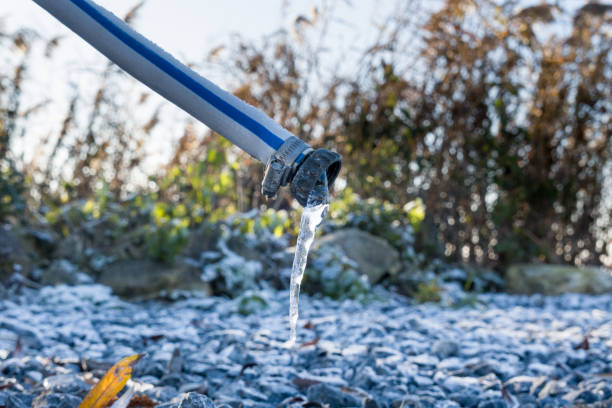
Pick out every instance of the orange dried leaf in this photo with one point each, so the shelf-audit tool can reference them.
(311, 343)
(109, 386)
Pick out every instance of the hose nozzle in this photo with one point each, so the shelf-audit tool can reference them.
(297, 164)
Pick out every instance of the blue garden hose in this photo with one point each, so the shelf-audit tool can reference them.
(242, 124)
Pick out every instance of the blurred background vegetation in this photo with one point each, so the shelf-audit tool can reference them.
(482, 129)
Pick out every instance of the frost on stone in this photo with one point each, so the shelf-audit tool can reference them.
(233, 274)
(62, 294)
(335, 275)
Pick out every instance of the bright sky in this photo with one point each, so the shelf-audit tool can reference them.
(188, 29)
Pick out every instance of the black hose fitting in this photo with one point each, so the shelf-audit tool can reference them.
(309, 173)
(296, 163)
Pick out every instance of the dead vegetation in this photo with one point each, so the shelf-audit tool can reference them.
(497, 117)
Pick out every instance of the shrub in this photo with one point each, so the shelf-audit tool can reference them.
(332, 274)
(230, 274)
(12, 188)
(251, 302)
(168, 232)
(427, 292)
(397, 224)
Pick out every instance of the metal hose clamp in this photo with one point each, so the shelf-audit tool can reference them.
(282, 165)
(297, 163)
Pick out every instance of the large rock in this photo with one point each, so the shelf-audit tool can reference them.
(63, 271)
(558, 279)
(13, 255)
(374, 256)
(142, 277)
(43, 241)
(71, 248)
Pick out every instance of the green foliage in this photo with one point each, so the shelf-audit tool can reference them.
(188, 195)
(15, 56)
(168, 232)
(159, 219)
(12, 188)
(468, 300)
(393, 222)
(66, 219)
(502, 134)
(207, 187)
(250, 303)
(348, 210)
(427, 292)
(276, 222)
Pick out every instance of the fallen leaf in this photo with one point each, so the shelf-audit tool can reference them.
(109, 386)
(18, 347)
(308, 325)
(126, 398)
(604, 375)
(154, 337)
(311, 343)
(584, 344)
(7, 385)
(142, 401)
(111, 402)
(507, 396)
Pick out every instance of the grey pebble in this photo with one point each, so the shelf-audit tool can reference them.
(494, 403)
(331, 395)
(386, 353)
(56, 400)
(195, 400)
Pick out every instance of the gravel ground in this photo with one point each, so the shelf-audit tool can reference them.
(502, 351)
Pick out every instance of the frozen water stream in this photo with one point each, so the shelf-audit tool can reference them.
(312, 216)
